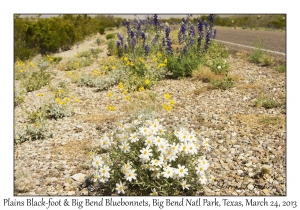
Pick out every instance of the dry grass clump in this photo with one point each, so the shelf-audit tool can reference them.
(204, 74)
(23, 181)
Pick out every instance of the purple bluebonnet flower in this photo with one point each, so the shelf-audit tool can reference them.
(123, 22)
(185, 21)
(143, 36)
(181, 32)
(207, 39)
(169, 49)
(120, 38)
(211, 19)
(117, 24)
(118, 44)
(215, 33)
(146, 49)
(205, 24)
(192, 31)
(131, 33)
(168, 41)
(155, 20)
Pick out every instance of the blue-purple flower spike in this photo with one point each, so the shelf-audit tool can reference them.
(147, 49)
(215, 33)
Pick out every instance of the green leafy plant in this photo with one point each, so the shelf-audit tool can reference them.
(259, 56)
(224, 84)
(110, 36)
(36, 80)
(265, 102)
(101, 30)
(30, 132)
(281, 68)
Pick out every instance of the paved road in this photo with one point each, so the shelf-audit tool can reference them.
(272, 40)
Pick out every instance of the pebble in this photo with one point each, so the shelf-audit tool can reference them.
(250, 187)
(78, 177)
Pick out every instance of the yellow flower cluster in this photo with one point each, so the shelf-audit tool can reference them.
(65, 101)
(121, 86)
(141, 89)
(110, 108)
(170, 104)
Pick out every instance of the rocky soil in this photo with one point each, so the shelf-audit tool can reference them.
(248, 152)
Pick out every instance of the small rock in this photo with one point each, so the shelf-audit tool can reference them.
(250, 187)
(249, 164)
(78, 177)
(266, 191)
(71, 193)
(228, 160)
(52, 193)
(234, 193)
(240, 172)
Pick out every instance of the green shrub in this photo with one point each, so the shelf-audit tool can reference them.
(218, 65)
(101, 30)
(281, 68)
(19, 97)
(223, 84)
(36, 80)
(258, 56)
(267, 103)
(30, 132)
(110, 36)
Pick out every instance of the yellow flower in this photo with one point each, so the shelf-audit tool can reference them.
(69, 72)
(155, 58)
(77, 100)
(172, 102)
(110, 108)
(121, 87)
(57, 100)
(141, 89)
(161, 64)
(113, 67)
(166, 60)
(37, 125)
(109, 94)
(125, 58)
(61, 90)
(125, 92)
(167, 96)
(166, 107)
(41, 94)
(146, 65)
(147, 81)
(67, 99)
(127, 98)
(159, 54)
(106, 67)
(21, 71)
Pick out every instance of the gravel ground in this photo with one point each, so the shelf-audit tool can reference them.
(242, 142)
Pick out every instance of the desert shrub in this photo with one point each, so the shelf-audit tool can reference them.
(101, 30)
(36, 80)
(110, 36)
(281, 68)
(224, 84)
(265, 102)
